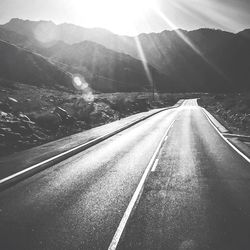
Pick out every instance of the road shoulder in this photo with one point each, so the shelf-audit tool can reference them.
(242, 145)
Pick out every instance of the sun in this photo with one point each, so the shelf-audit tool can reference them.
(119, 16)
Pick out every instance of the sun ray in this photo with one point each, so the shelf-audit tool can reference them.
(144, 60)
(187, 41)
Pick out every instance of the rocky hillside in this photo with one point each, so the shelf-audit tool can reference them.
(31, 115)
(20, 65)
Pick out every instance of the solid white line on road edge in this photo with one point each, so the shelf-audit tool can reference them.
(136, 196)
(64, 155)
(155, 165)
(225, 139)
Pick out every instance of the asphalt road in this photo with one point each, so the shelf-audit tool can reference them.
(78, 203)
(197, 198)
(199, 195)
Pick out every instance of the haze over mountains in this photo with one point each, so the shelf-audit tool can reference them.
(179, 61)
(23, 66)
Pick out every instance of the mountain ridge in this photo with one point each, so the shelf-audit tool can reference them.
(193, 60)
(118, 72)
(99, 62)
(20, 65)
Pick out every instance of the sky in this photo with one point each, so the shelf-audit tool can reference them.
(131, 17)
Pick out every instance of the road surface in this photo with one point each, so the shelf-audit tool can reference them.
(198, 196)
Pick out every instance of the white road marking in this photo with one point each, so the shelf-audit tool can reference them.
(227, 141)
(25, 172)
(155, 165)
(136, 196)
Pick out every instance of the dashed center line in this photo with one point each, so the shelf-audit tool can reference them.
(136, 196)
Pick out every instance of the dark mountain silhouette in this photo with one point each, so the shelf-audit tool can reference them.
(201, 60)
(245, 34)
(105, 69)
(20, 65)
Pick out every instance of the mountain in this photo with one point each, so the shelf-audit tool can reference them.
(203, 60)
(47, 32)
(105, 69)
(245, 34)
(14, 38)
(20, 65)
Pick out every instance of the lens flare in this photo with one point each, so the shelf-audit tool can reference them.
(81, 84)
(77, 81)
